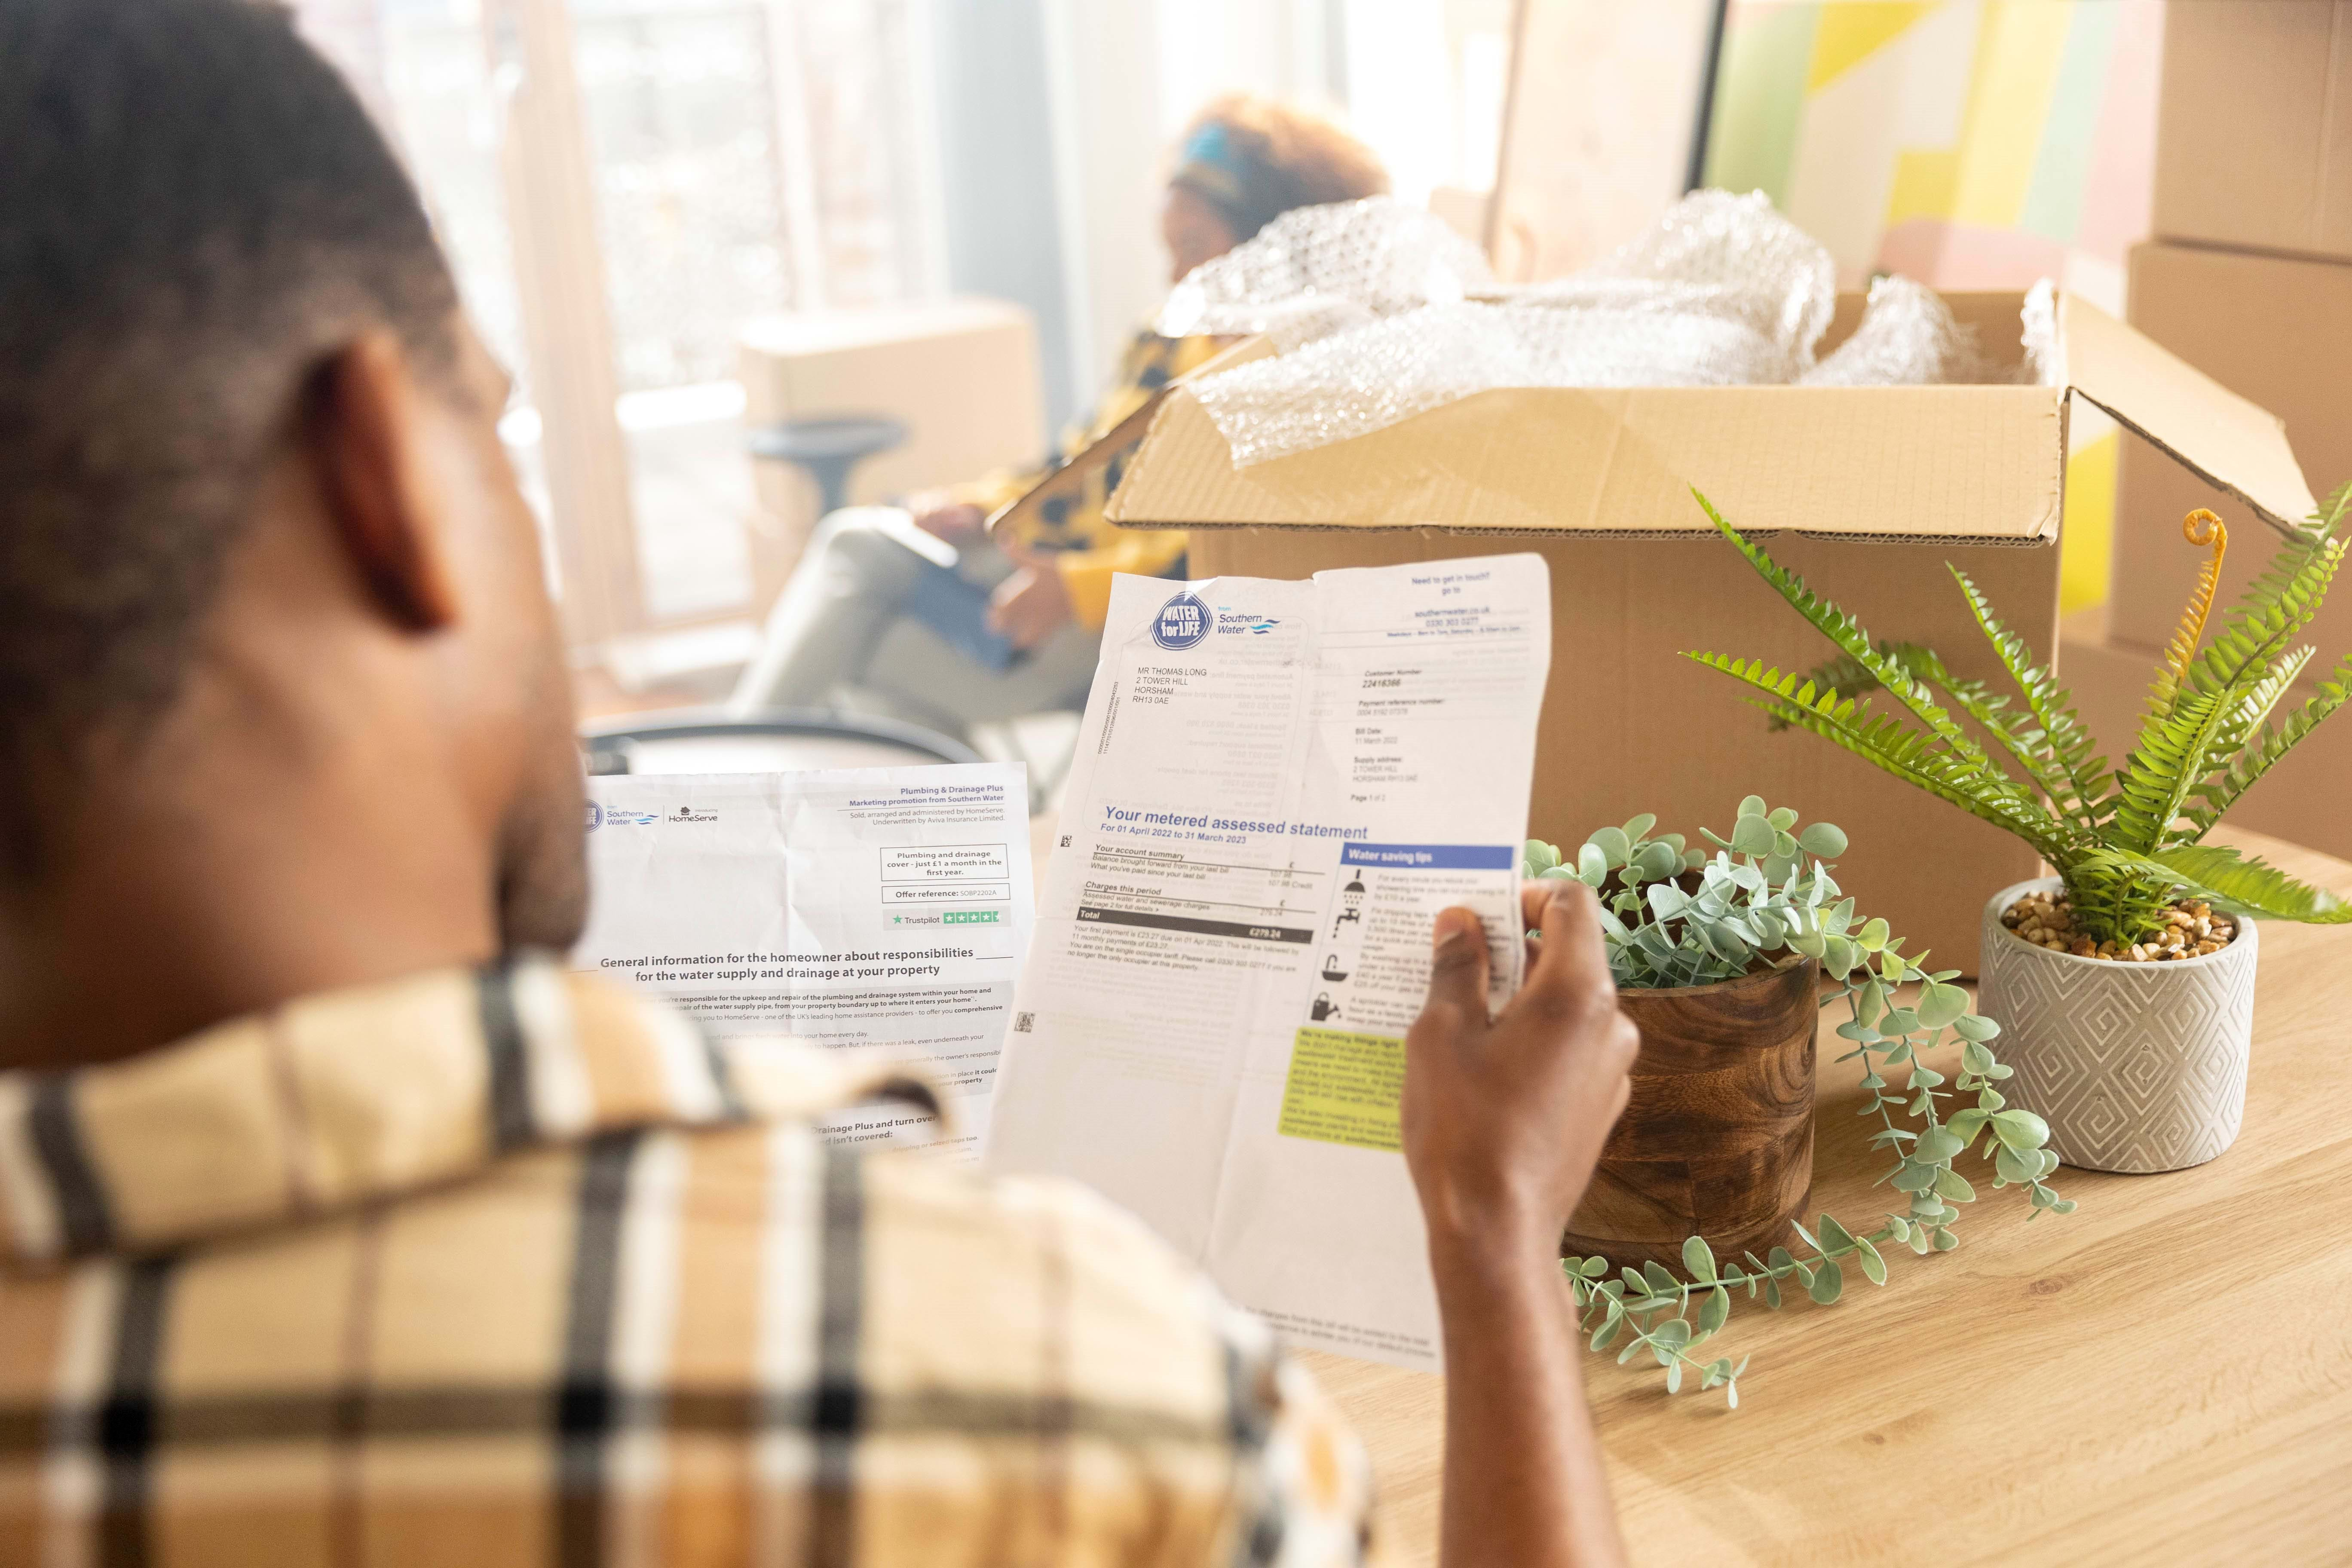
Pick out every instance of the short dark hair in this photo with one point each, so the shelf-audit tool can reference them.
(195, 212)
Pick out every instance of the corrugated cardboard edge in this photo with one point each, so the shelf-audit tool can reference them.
(1071, 477)
(2230, 442)
(1623, 462)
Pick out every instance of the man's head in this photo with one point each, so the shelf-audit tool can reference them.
(255, 519)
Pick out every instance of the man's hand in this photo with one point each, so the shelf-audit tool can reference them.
(1504, 1118)
(941, 515)
(1033, 604)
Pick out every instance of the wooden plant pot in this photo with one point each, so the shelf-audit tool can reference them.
(1718, 1137)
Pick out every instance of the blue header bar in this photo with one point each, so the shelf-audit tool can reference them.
(1432, 857)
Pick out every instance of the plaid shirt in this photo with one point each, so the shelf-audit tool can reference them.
(509, 1268)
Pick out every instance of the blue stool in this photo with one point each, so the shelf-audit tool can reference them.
(827, 449)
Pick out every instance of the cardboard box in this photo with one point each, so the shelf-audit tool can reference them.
(1866, 491)
(2276, 331)
(2301, 800)
(2253, 138)
(963, 374)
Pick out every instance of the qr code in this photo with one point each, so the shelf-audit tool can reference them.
(1024, 1022)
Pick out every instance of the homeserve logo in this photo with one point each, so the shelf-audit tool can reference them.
(688, 814)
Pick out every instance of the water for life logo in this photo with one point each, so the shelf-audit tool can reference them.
(1182, 623)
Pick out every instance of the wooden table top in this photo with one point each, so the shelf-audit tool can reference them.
(2164, 1376)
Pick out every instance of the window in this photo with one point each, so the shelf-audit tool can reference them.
(621, 183)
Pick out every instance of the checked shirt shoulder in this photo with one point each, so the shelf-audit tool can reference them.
(511, 1267)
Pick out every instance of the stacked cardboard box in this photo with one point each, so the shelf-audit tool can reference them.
(2255, 126)
(2249, 279)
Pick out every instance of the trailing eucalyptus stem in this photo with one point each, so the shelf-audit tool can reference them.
(1673, 915)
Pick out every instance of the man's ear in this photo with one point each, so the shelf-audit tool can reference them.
(367, 433)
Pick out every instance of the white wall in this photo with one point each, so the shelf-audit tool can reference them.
(993, 114)
(1101, 64)
(1425, 81)
(1290, 47)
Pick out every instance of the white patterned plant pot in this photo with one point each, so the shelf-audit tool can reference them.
(2137, 1066)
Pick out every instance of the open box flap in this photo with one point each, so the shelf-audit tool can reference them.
(2236, 445)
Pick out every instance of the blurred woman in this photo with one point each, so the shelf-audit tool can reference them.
(916, 612)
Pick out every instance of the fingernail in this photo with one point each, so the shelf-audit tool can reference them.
(1453, 925)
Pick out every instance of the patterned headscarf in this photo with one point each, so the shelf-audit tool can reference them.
(1247, 192)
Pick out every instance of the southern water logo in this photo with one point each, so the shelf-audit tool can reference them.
(1255, 626)
(1183, 621)
(614, 816)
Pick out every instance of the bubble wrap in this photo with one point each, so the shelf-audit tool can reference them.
(2040, 336)
(1315, 271)
(1740, 256)
(1906, 338)
(1723, 290)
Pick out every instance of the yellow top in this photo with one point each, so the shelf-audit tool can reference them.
(1086, 546)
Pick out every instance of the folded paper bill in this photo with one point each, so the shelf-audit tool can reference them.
(852, 907)
(1278, 785)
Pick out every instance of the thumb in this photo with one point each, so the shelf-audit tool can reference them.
(1457, 963)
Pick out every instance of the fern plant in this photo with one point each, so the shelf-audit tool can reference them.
(2126, 840)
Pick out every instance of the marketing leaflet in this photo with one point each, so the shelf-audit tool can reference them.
(848, 907)
(1278, 786)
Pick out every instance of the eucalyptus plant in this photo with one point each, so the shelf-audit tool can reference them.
(1672, 915)
(1763, 885)
(2126, 840)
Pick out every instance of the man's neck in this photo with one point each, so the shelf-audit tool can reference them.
(178, 905)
